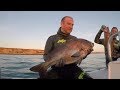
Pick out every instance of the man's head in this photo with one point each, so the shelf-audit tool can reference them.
(114, 30)
(67, 24)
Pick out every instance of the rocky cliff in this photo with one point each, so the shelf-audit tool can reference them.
(19, 51)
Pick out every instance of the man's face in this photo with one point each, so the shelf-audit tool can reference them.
(113, 31)
(67, 25)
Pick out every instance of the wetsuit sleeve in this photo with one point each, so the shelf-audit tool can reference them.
(117, 45)
(97, 38)
(48, 47)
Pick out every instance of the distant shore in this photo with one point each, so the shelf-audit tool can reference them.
(20, 51)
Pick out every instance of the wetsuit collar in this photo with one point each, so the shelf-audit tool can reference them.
(61, 33)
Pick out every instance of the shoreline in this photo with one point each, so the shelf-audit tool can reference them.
(21, 51)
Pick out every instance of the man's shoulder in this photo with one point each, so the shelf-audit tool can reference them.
(73, 36)
(52, 36)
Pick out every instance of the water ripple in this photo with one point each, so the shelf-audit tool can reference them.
(17, 66)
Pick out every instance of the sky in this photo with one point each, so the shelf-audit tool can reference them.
(30, 29)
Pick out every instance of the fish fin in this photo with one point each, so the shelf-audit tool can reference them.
(77, 60)
(77, 54)
(70, 60)
(60, 63)
(39, 68)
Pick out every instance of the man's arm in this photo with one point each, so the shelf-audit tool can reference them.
(48, 47)
(97, 38)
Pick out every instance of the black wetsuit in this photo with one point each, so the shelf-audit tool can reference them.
(71, 71)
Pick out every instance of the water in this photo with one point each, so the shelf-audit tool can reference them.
(17, 66)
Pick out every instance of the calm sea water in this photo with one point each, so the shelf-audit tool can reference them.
(17, 66)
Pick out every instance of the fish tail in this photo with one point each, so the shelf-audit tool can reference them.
(39, 68)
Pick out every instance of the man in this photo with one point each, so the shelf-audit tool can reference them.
(61, 71)
(101, 41)
(115, 45)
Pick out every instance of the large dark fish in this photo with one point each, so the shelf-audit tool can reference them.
(73, 51)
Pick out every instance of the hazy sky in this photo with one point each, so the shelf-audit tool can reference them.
(30, 29)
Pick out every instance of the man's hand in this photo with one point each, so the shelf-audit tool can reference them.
(105, 29)
(60, 63)
(102, 27)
